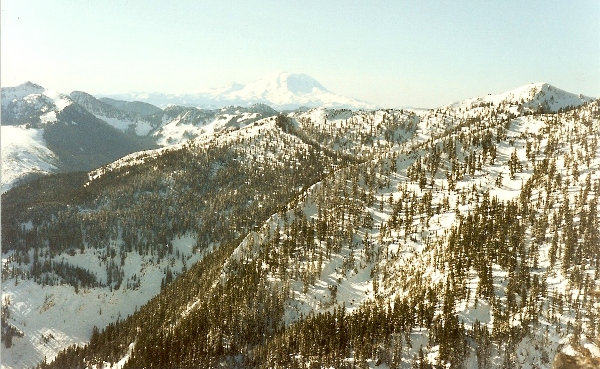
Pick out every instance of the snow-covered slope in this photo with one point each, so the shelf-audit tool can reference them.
(362, 133)
(180, 124)
(31, 104)
(24, 152)
(45, 314)
(284, 91)
(45, 131)
(38, 306)
(26, 110)
(535, 97)
(373, 249)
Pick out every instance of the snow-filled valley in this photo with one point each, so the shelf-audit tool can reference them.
(464, 236)
(52, 317)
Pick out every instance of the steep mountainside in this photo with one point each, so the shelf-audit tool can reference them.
(45, 132)
(138, 124)
(465, 236)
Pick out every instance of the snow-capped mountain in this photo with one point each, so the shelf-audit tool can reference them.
(282, 91)
(11, 94)
(285, 91)
(31, 104)
(26, 110)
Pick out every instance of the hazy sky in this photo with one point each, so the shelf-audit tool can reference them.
(393, 53)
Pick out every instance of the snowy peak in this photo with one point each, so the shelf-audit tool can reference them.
(300, 83)
(284, 83)
(30, 103)
(288, 91)
(283, 91)
(558, 99)
(272, 85)
(534, 97)
(19, 92)
(544, 96)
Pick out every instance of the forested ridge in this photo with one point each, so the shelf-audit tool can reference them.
(463, 236)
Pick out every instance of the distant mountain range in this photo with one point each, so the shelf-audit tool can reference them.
(281, 91)
(46, 132)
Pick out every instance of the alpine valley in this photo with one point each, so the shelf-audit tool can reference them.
(300, 229)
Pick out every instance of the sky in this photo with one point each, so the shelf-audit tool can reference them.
(390, 53)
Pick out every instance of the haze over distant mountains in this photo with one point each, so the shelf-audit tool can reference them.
(282, 91)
